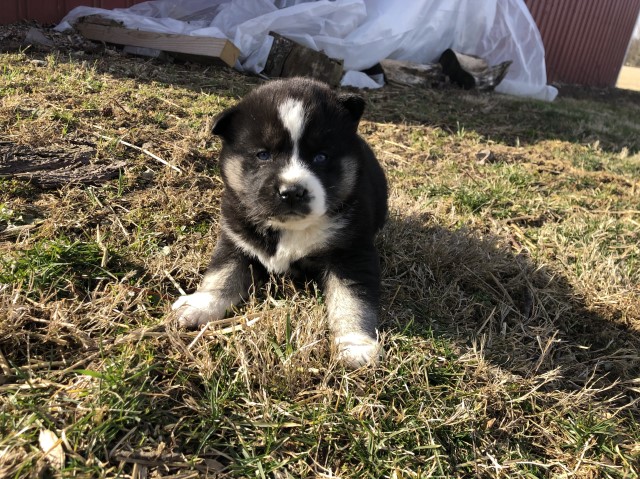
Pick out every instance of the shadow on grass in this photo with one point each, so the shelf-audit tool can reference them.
(579, 115)
(526, 318)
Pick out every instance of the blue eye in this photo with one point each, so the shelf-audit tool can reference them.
(320, 158)
(263, 155)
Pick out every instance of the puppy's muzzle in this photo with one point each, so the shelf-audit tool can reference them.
(293, 195)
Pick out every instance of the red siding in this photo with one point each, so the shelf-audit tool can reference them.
(50, 11)
(585, 40)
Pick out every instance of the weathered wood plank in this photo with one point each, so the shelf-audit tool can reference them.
(96, 28)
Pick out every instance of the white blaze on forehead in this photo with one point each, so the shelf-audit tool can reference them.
(292, 115)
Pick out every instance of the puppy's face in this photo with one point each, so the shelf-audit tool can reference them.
(290, 152)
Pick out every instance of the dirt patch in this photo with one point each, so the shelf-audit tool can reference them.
(54, 167)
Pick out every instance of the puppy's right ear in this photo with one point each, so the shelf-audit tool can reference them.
(354, 104)
(222, 124)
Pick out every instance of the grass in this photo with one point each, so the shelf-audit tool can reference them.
(57, 266)
(511, 278)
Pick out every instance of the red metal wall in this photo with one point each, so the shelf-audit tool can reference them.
(50, 11)
(585, 41)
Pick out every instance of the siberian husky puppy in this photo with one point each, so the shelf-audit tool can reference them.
(303, 193)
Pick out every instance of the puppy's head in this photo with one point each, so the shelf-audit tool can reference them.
(290, 152)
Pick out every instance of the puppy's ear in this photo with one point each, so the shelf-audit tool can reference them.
(222, 124)
(354, 105)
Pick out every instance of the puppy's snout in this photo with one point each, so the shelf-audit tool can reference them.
(293, 194)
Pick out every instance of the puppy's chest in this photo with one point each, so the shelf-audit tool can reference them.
(294, 245)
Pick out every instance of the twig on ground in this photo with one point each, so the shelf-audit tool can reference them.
(174, 282)
(4, 365)
(239, 327)
(406, 147)
(103, 248)
(143, 150)
(124, 230)
(15, 231)
(198, 336)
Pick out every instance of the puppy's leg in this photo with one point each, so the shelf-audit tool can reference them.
(226, 283)
(352, 290)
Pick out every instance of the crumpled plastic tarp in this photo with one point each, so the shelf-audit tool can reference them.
(361, 32)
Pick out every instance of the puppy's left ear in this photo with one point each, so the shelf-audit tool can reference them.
(354, 105)
(222, 124)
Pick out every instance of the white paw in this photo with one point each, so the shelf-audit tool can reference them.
(356, 350)
(196, 309)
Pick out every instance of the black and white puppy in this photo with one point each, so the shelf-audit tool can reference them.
(303, 194)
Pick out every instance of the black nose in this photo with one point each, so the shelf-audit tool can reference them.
(293, 194)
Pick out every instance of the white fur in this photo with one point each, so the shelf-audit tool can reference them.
(356, 350)
(292, 115)
(294, 172)
(343, 306)
(294, 244)
(199, 308)
(297, 174)
(208, 303)
(293, 118)
(348, 314)
(235, 176)
(216, 279)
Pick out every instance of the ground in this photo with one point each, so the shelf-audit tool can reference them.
(511, 275)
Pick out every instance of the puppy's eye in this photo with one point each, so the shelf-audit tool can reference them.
(320, 158)
(263, 155)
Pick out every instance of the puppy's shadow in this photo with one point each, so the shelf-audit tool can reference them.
(468, 288)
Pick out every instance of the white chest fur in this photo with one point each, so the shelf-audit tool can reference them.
(294, 244)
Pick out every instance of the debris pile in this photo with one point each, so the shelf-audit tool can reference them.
(487, 45)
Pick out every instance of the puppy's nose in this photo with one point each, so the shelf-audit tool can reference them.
(293, 194)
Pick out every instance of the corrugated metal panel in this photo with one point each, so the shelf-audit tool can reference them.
(585, 40)
(50, 11)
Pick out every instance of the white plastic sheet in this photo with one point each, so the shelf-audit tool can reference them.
(361, 32)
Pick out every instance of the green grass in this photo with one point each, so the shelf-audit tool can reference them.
(509, 314)
(59, 266)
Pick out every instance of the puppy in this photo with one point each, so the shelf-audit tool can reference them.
(303, 194)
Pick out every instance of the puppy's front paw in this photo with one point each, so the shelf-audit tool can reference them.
(196, 309)
(355, 350)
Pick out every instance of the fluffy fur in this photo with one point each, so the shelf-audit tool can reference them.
(303, 194)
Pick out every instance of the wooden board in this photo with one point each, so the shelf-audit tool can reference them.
(98, 28)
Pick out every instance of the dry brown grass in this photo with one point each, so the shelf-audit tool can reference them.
(510, 308)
